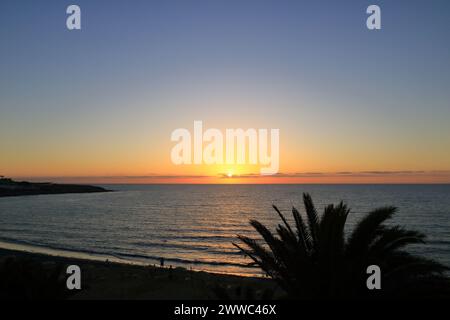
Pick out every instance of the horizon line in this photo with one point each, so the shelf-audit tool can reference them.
(340, 177)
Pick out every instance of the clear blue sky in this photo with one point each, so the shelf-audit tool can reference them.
(139, 69)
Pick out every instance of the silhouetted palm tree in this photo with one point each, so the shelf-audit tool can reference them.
(315, 260)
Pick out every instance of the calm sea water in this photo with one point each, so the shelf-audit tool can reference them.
(195, 225)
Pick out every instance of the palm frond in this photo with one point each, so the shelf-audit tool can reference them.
(304, 237)
(313, 218)
(394, 238)
(367, 230)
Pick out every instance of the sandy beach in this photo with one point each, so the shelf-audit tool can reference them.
(113, 280)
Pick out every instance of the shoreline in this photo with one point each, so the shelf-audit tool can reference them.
(61, 253)
(99, 257)
(114, 279)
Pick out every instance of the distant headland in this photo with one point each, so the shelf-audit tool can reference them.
(11, 188)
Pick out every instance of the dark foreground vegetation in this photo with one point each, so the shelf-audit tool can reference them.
(314, 258)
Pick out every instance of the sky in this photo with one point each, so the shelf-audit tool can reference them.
(99, 104)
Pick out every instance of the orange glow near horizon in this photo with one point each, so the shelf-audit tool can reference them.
(134, 160)
(441, 177)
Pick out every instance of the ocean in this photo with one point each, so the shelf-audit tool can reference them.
(194, 226)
